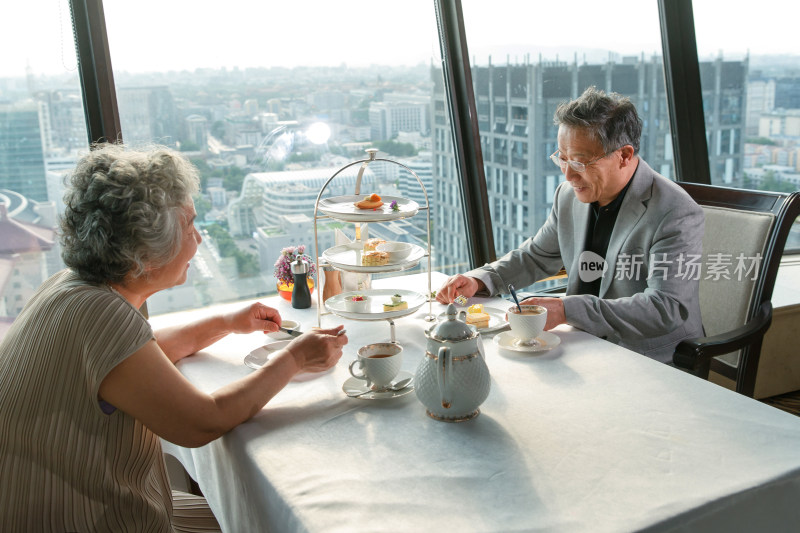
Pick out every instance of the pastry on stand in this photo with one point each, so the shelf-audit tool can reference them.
(397, 304)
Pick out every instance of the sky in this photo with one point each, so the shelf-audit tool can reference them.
(150, 35)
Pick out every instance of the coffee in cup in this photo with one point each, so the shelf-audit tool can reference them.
(527, 322)
(379, 363)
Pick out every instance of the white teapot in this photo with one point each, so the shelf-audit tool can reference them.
(452, 379)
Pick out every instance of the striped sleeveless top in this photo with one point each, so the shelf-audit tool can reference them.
(68, 463)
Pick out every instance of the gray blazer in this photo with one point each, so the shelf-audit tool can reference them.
(659, 226)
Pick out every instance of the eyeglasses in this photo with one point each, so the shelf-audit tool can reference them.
(577, 166)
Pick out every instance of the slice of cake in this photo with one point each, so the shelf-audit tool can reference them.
(479, 320)
(397, 304)
(375, 258)
(372, 244)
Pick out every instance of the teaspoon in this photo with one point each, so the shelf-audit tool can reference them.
(394, 387)
(514, 295)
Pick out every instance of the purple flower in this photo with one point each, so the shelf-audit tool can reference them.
(394, 206)
(283, 265)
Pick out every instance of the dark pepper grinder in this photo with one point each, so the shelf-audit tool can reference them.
(301, 295)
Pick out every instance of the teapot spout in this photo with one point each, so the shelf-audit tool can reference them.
(444, 366)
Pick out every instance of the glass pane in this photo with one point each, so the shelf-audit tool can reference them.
(526, 64)
(750, 73)
(269, 103)
(42, 128)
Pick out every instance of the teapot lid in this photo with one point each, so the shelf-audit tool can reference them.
(451, 328)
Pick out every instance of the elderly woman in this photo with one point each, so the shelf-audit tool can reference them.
(86, 386)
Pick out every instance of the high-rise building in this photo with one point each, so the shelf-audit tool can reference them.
(515, 108)
(22, 167)
(147, 114)
(787, 93)
(724, 87)
(386, 119)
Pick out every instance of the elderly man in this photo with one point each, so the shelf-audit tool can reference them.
(627, 236)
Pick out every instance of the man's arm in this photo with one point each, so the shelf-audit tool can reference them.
(537, 258)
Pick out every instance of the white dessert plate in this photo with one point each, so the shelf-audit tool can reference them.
(348, 257)
(546, 341)
(259, 357)
(356, 386)
(377, 298)
(343, 208)
(497, 319)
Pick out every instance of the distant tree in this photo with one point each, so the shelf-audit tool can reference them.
(303, 158)
(218, 129)
(772, 183)
(202, 205)
(233, 177)
(246, 263)
(359, 117)
(188, 146)
(396, 148)
(761, 140)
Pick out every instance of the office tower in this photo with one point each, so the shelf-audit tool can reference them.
(22, 167)
(724, 86)
(386, 119)
(515, 108)
(787, 93)
(147, 115)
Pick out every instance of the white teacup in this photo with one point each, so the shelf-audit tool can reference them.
(527, 324)
(379, 363)
(280, 335)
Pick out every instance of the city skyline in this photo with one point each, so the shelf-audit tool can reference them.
(363, 38)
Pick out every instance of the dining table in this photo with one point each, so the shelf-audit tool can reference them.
(582, 436)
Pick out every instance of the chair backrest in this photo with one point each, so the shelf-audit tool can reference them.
(745, 234)
(733, 248)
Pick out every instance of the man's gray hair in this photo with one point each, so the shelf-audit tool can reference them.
(124, 209)
(611, 119)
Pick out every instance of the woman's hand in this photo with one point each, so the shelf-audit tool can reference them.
(317, 350)
(255, 317)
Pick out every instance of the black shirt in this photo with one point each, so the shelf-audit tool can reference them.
(598, 234)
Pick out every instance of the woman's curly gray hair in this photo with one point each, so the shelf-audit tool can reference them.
(124, 211)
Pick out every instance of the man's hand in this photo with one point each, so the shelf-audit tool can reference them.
(458, 284)
(555, 310)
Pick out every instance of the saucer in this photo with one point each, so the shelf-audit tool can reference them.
(355, 386)
(545, 342)
(259, 357)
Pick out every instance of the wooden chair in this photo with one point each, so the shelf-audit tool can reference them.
(737, 312)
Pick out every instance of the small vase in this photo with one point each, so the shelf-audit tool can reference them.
(285, 289)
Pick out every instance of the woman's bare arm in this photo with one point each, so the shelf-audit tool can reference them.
(150, 388)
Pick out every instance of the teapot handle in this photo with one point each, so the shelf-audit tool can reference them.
(444, 367)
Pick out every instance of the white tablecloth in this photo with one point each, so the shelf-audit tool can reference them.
(587, 437)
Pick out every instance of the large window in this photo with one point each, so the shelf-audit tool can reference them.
(530, 57)
(269, 100)
(750, 75)
(42, 129)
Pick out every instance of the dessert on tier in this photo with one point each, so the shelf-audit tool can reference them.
(358, 303)
(476, 316)
(373, 201)
(396, 304)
